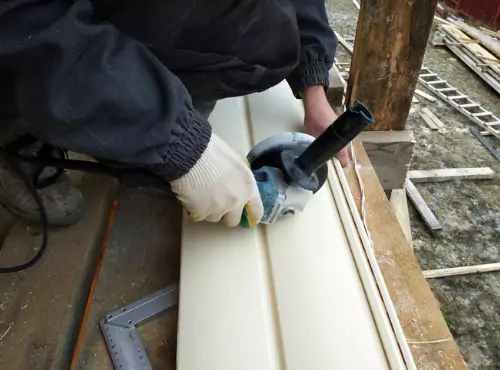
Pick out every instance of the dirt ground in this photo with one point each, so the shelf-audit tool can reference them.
(469, 211)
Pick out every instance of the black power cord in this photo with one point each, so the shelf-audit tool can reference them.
(138, 178)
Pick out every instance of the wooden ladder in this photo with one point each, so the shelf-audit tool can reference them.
(472, 110)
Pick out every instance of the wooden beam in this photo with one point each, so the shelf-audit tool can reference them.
(464, 270)
(390, 153)
(391, 38)
(417, 308)
(422, 207)
(449, 174)
(399, 205)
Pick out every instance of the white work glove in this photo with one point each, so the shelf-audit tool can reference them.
(220, 186)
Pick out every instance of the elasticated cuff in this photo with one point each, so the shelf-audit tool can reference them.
(187, 147)
(308, 75)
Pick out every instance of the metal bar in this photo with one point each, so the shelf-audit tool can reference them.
(145, 308)
(486, 143)
(119, 328)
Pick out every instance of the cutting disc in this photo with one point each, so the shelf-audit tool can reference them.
(268, 152)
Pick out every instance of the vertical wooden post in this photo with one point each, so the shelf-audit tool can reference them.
(391, 38)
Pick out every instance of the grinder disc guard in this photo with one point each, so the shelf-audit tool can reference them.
(268, 152)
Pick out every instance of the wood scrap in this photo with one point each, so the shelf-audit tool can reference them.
(414, 99)
(432, 125)
(436, 120)
(422, 207)
(464, 270)
(344, 43)
(425, 95)
(449, 174)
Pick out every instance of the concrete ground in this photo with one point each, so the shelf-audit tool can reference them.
(469, 211)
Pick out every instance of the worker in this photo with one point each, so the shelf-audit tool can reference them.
(133, 82)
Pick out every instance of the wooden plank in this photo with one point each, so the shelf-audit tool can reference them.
(142, 256)
(272, 290)
(344, 43)
(46, 302)
(399, 205)
(432, 125)
(418, 309)
(391, 48)
(436, 120)
(487, 71)
(422, 207)
(425, 95)
(490, 32)
(463, 270)
(390, 153)
(489, 42)
(450, 174)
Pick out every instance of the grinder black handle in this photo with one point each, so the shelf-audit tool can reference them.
(334, 138)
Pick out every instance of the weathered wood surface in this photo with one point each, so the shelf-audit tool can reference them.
(422, 207)
(142, 256)
(390, 154)
(44, 304)
(391, 38)
(417, 308)
(450, 174)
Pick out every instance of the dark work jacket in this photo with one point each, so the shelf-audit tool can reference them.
(116, 79)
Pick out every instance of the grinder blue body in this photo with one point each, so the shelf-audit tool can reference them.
(290, 167)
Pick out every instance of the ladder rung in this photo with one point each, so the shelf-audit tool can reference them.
(494, 123)
(481, 114)
(471, 105)
(446, 89)
(436, 82)
(428, 75)
(457, 97)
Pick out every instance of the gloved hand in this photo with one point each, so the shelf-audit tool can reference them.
(219, 186)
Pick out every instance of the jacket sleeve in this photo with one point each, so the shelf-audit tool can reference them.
(86, 87)
(318, 45)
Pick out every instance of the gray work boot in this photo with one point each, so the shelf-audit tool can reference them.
(63, 202)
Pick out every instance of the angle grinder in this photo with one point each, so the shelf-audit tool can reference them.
(290, 167)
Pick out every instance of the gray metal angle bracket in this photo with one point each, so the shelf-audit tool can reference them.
(119, 328)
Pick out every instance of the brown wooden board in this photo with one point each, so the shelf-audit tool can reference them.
(417, 309)
(142, 256)
(391, 38)
(44, 304)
